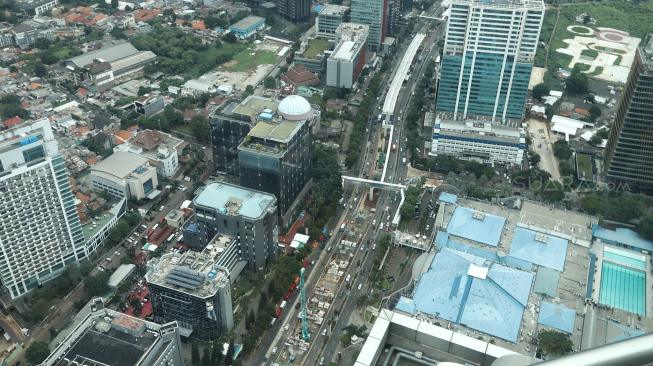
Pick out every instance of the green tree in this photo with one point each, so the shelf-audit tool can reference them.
(206, 357)
(216, 354)
(97, 285)
(561, 150)
(540, 90)
(229, 357)
(576, 83)
(595, 112)
(230, 38)
(555, 343)
(645, 227)
(40, 70)
(114, 4)
(194, 354)
(199, 127)
(270, 83)
(37, 352)
(249, 90)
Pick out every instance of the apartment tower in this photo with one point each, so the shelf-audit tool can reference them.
(488, 57)
(40, 231)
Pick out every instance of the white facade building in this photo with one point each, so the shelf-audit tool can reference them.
(40, 231)
(124, 174)
(348, 58)
(478, 140)
(159, 148)
(329, 19)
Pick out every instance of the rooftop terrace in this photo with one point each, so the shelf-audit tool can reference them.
(315, 47)
(235, 200)
(192, 272)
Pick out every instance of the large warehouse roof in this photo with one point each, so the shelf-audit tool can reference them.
(493, 305)
(120, 164)
(478, 226)
(538, 248)
(106, 54)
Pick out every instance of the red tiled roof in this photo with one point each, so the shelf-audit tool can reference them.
(300, 75)
(11, 122)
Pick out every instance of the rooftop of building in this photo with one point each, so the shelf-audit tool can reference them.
(120, 164)
(271, 137)
(234, 200)
(247, 22)
(193, 273)
(107, 54)
(105, 337)
(480, 129)
(476, 225)
(647, 50)
(528, 4)
(252, 106)
(152, 144)
(474, 291)
(332, 9)
(316, 47)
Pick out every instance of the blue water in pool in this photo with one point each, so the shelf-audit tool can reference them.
(623, 288)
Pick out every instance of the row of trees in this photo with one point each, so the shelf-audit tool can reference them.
(327, 188)
(357, 136)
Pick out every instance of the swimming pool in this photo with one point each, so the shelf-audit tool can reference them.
(623, 288)
(626, 258)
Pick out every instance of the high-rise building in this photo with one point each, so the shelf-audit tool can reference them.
(329, 19)
(346, 62)
(106, 337)
(373, 13)
(249, 216)
(488, 57)
(629, 152)
(275, 157)
(193, 290)
(294, 10)
(40, 231)
(230, 125)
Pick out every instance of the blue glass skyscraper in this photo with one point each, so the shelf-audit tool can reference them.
(488, 57)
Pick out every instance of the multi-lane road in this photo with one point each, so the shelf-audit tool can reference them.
(323, 348)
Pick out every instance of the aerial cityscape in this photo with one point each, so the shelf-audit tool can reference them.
(327, 182)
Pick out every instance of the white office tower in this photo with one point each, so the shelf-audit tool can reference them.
(488, 57)
(40, 232)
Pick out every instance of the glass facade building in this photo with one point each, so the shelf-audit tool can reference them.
(276, 158)
(374, 14)
(230, 126)
(629, 152)
(488, 57)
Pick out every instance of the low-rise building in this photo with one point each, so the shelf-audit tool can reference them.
(193, 290)
(247, 26)
(100, 68)
(347, 60)
(37, 7)
(124, 174)
(312, 54)
(478, 140)
(329, 19)
(101, 336)
(159, 148)
(148, 105)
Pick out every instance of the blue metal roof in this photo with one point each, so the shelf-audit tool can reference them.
(493, 305)
(485, 228)
(557, 316)
(549, 252)
(448, 198)
(622, 236)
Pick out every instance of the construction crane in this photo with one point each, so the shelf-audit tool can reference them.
(302, 298)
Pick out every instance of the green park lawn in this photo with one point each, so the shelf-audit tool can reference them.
(248, 60)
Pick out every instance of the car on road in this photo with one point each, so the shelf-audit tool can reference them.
(274, 350)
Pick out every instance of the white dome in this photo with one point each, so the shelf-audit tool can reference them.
(295, 108)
